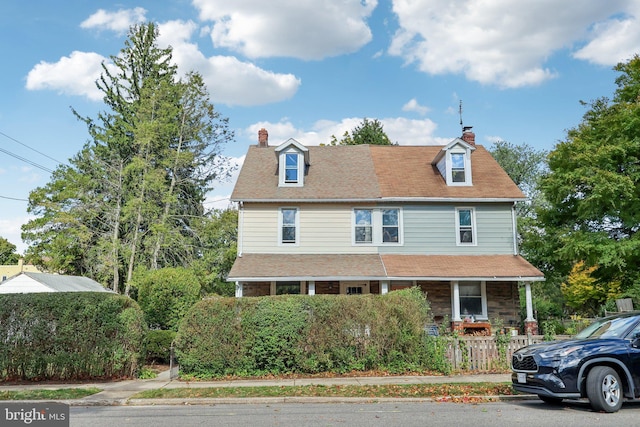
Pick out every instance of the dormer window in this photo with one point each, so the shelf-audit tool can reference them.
(454, 163)
(293, 159)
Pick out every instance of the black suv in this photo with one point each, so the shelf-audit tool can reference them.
(602, 364)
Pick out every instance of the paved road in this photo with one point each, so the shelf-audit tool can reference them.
(390, 414)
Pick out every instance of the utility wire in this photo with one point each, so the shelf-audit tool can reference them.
(44, 168)
(32, 163)
(13, 198)
(30, 148)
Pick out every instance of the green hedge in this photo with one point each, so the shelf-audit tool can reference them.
(166, 295)
(70, 336)
(159, 346)
(306, 334)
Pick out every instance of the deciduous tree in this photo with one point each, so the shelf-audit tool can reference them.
(8, 254)
(593, 188)
(367, 132)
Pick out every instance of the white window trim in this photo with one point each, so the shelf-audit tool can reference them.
(467, 168)
(376, 224)
(283, 167)
(280, 224)
(474, 231)
(455, 301)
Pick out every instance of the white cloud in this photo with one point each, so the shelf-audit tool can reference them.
(305, 29)
(119, 21)
(413, 105)
(229, 80)
(401, 130)
(614, 40)
(72, 75)
(495, 42)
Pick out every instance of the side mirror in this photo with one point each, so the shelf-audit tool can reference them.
(635, 341)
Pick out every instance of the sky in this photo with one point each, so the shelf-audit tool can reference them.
(310, 69)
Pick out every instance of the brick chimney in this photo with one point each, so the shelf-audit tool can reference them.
(468, 136)
(263, 138)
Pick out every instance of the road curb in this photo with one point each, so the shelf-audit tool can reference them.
(293, 399)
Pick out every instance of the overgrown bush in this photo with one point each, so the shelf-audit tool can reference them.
(166, 295)
(159, 346)
(307, 334)
(70, 336)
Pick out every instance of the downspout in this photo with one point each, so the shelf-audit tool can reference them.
(515, 228)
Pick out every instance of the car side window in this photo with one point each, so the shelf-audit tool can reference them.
(635, 333)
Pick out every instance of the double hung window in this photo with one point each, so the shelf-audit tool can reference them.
(288, 225)
(390, 225)
(458, 167)
(364, 225)
(465, 226)
(291, 168)
(377, 226)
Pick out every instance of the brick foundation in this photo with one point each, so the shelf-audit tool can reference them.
(531, 327)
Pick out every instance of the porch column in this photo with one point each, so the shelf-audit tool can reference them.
(456, 303)
(238, 290)
(456, 320)
(272, 288)
(384, 287)
(529, 302)
(530, 323)
(311, 286)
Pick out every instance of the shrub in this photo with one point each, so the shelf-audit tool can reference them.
(210, 339)
(306, 334)
(166, 295)
(70, 336)
(159, 345)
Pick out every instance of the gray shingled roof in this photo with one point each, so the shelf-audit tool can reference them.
(257, 267)
(370, 172)
(62, 283)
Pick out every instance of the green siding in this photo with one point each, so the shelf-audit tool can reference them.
(431, 229)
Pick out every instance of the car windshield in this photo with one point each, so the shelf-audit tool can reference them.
(608, 328)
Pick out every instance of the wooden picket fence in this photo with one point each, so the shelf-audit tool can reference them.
(481, 353)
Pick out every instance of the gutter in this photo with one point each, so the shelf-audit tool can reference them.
(387, 200)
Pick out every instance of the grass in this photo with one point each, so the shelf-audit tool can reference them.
(463, 392)
(59, 394)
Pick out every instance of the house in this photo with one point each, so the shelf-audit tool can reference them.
(28, 282)
(8, 270)
(372, 219)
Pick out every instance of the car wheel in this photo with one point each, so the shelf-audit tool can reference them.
(550, 400)
(604, 389)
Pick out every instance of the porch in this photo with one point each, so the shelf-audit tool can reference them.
(457, 302)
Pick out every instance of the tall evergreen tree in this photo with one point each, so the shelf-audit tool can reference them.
(130, 196)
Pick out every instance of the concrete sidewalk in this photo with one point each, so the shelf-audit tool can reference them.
(121, 392)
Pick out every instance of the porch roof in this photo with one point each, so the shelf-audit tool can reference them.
(298, 267)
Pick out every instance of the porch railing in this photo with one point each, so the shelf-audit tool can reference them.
(485, 353)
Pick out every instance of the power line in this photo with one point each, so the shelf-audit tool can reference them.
(44, 168)
(13, 198)
(30, 148)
